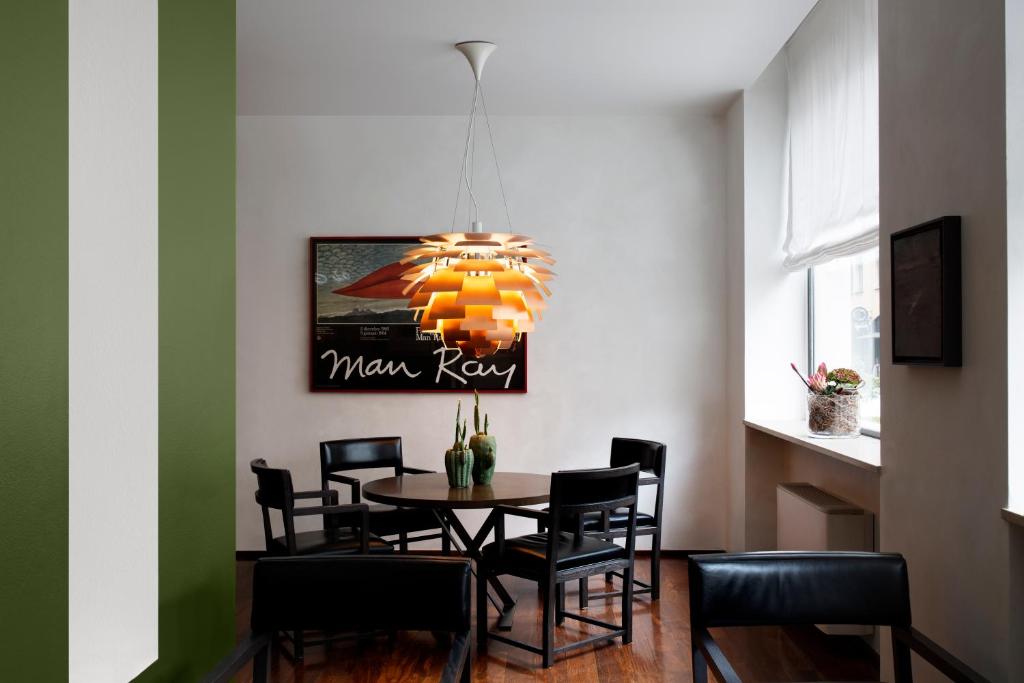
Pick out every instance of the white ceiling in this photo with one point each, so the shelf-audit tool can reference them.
(580, 57)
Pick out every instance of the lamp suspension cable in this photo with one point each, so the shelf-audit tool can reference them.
(477, 291)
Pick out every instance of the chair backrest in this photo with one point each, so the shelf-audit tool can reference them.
(650, 455)
(358, 454)
(576, 492)
(274, 490)
(274, 486)
(341, 593)
(780, 588)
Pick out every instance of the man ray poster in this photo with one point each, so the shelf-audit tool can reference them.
(365, 338)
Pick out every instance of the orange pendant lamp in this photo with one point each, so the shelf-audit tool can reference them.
(477, 291)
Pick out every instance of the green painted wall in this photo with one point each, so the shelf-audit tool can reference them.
(34, 340)
(197, 336)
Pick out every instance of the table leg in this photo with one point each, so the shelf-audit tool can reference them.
(450, 522)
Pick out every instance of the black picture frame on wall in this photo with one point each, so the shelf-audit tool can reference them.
(926, 294)
(363, 337)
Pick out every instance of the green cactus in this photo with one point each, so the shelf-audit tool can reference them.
(458, 416)
(486, 421)
(476, 411)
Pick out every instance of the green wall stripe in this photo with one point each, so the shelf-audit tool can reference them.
(34, 340)
(197, 336)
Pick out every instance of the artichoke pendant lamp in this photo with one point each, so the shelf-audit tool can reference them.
(477, 291)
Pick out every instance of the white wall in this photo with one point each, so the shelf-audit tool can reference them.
(775, 300)
(112, 328)
(1015, 320)
(634, 342)
(1015, 244)
(735, 365)
(944, 442)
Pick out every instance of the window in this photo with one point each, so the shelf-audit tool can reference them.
(843, 321)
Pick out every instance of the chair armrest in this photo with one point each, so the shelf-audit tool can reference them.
(348, 509)
(713, 657)
(416, 470)
(225, 669)
(940, 658)
(521, 512)
(333, 495)
(350, 481)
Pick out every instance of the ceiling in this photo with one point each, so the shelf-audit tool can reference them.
(554, 57)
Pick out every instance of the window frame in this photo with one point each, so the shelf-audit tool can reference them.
(864, 431)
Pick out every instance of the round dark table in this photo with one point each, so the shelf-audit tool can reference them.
(432, 491)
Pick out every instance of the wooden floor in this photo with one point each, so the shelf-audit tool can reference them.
(659, 651)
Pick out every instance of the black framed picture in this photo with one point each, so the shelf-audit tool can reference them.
(363, 336)
(926, 294)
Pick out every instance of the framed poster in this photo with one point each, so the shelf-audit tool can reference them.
(926, 298)
(364, 338)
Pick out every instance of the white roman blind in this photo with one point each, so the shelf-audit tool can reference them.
(831, 189)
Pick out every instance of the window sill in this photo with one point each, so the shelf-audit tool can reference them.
(863, 452)
(1014, 516)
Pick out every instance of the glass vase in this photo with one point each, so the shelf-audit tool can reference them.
(833, 416)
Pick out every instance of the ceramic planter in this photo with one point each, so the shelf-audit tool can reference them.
(485, 453)
(459, 466)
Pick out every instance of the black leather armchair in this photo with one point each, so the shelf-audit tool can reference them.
(556, 556)
(782, 588)
(355, 593)
(385, 520)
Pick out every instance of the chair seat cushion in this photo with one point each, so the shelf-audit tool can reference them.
(387, 520)
(528, 554)
(327, 541)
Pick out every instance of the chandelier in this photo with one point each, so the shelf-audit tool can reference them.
(477, 291)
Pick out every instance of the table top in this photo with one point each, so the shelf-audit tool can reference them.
(432, 490)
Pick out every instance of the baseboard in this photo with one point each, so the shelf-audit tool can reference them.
(253, 555)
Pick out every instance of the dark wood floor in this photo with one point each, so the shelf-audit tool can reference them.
(659, 652)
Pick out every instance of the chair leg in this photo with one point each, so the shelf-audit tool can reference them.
(261, 664)
(560, 613)
(699, 666)
(548, 637)
(609, 577)
(627, 605)
(656, 566)
(481, 610)
(584, 592)
(298, 652)
(403, 543)
(446, 543)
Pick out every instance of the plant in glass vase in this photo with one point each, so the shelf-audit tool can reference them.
(833, 401)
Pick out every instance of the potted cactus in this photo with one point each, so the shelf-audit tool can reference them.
(484, 447)
(458, 460)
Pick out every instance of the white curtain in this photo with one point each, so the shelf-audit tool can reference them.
(831, 189)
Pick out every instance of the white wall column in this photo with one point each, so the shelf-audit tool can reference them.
(112, 244)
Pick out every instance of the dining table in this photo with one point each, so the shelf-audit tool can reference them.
(433, 492)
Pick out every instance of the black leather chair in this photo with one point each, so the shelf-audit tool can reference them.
(356, 594)
(557, 556)
(385, 520)
(783, 588)
(650, 455)
(345, 527)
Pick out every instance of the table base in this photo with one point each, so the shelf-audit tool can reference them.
(449, 523)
